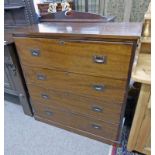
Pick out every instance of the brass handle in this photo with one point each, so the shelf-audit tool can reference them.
(95, 126)
(35, 52)
(99, 59)
(41, 77)
(97, 109)
(61, 42)
(49, 113)
(45, 96)
(99, 87)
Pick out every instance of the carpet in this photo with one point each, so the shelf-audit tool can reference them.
(26, 136)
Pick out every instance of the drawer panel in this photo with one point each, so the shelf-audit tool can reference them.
(108, 112)
(93, 126)
(93, 58)
(76, 83)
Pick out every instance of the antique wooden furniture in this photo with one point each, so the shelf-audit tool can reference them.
(77, 74)
(70, 16)
(140, 134)
(13, 77)
(17, 13)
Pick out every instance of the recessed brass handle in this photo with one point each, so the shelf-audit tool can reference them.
(97, 109)
(49, 113)
(99, 59)
(41, 77)
(45, 96)
(95, 126)
(98, 87)
(35, 52)
(61, 42)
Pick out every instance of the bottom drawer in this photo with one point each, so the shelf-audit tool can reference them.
(95, 127)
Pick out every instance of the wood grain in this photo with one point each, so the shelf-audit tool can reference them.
(68, 73)
(82, 123)
(142, 71)
(110, 112)
(79, 84)
(77, 56)
(140, 134)
(78, 131)
(144, 133)
(127, 30)
(145, 48)
(140, 131)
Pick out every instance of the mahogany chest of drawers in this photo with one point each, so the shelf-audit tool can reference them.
(77, 74)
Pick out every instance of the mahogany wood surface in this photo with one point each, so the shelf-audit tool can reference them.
(78, 131)
(106, 111)
(127, 31)
(65, 60)
(76, 121)
(69, 16)
(79, 84)
(77, 56)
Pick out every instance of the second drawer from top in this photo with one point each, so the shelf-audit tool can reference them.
(101, 88)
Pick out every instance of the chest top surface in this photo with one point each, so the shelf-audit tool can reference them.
(131, 31)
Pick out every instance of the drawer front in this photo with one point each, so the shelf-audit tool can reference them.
(79, 84)
(93, 126)
(108, 112)
(92, 58)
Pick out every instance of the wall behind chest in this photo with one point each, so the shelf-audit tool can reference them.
(125, 10)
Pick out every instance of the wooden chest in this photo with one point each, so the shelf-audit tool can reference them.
(77, 74)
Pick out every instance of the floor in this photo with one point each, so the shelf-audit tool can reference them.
(26, 136)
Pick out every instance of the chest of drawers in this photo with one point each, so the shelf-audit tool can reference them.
(77, 74)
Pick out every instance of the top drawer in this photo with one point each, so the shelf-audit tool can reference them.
(108, 59)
